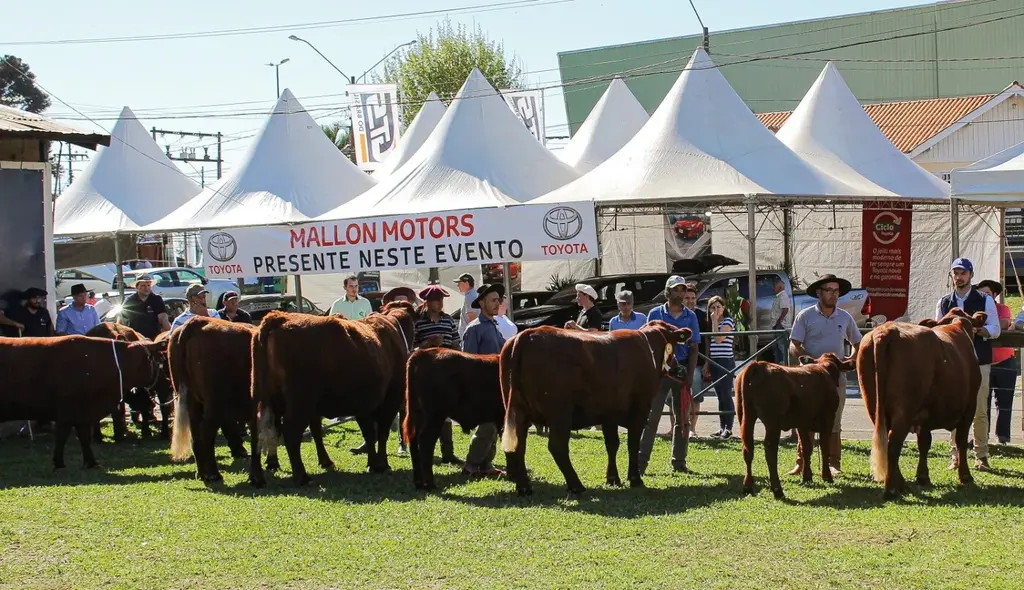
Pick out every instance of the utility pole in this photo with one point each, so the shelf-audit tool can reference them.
(189, 154)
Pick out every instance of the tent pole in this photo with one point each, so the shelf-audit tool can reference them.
(787, 239)
(1002, 254)
(298, 293)
(751, 203)
(954, 221)
(506, 269)
(120, 271)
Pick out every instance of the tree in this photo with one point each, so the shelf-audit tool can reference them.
(18, 86)
(442, 60)
(339, 132)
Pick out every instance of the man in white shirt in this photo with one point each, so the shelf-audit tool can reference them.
(353, 306)
(196, 296)
(780, 318)
(505, 325)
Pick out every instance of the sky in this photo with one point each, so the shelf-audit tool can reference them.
(219, 75)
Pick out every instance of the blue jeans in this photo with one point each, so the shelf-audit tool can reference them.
(1001, 382)
(724, 390)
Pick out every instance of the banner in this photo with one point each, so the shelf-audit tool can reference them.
(686, 235)
(885, 259)
(528, 105)
(376, 123)
(452, 238)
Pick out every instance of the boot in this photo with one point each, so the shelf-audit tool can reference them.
(447, 446)
(835, 454)
(798, 469)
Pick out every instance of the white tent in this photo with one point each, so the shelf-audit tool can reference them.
(414, 137)
(126, 186)
(830, 129)
(292, 172)
(996, 180)
(615, 119)
(702, 143)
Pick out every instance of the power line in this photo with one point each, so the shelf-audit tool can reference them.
(507, 5)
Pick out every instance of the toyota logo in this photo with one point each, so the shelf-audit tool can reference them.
(221, 247)
(563, 223)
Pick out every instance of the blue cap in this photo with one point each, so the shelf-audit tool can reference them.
(963, 264)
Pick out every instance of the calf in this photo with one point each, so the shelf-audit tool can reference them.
(211, 366)
(785, 398)
(441, 384)
(568, 379)
(73, 381)
(919, 378)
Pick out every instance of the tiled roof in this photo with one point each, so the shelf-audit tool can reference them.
(17, 123)
(909, 123)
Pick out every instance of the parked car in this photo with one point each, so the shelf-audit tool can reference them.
(260, 305)
(522, 300)
(561, 306)
(173, 281)
(96, 278)
(690, 227)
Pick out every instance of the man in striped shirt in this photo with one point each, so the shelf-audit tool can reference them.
(434, 324)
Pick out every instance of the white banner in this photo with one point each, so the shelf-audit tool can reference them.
(453, 238)
(376, 122)
(528, 105)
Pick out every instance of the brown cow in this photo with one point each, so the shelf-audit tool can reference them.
(919, 378)
(73, 381)
(211, 365)
(785, 398)
(306, 367)
(441, 384)
(567, 379)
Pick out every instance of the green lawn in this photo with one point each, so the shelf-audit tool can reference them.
(143, 523)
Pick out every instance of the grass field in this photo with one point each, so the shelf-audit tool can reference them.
(140, 522)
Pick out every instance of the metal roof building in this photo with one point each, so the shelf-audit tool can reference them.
(946, 49)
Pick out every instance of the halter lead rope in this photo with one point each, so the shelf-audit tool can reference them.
(120, 376)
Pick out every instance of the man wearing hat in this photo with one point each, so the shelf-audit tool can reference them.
(396, 294)
(144, 311)
(353, 306)
(79, 317)
(589, 319)
(826, 327)
(230, 311)
(33, 317)
(196, 295)
(483, 337)
(967, 298)
(465, 284)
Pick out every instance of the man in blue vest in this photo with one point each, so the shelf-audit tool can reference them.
(967, 298)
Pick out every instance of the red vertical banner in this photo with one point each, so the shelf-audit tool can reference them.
(885, 258)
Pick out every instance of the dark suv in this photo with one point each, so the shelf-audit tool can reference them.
(561, 307)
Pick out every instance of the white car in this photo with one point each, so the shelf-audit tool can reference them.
(96, 278)
(174, 281)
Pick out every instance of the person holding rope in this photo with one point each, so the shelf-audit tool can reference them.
(32, 319)
(144, 311)
(79, 317)
(483, 336)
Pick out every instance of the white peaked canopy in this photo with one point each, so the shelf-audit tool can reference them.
(292, 172)
(615, 119)
(702, 143)
(996, 180)
(480, 155)
(414, 137)
(126, 186)
(830, 129)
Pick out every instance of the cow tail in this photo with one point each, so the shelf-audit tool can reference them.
(880, 439)
(261, 384)
(508, 367)
(181, 436)
(412, 401)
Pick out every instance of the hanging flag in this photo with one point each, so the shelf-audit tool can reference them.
(376, 123)
(528, 105)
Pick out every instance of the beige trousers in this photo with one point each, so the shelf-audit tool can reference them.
(837, 426)
(980, 418)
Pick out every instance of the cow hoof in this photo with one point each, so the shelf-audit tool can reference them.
(91, 465)
(614, 481)
(748, 491)
(213, 478)
(524, 490)
(777, 492)
(273, 464)
(257, 482)
(577, 490)
(305, 480)
(636, 483)
(807, 479)
(826, 478)
(924, 482)
(379, 469)
(969, 480)
(327, 465)
(889, 495)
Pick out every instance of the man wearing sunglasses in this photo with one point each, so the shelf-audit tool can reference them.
(826, 327)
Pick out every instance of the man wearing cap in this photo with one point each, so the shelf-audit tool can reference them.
(826, 327)
(230, 311)
(352, 305)
(196, 295)
(33, 317)
(79, 317)
(589, 319)
(678, 389)
(483, 337)
(144, 311)
(626, 319)
(465, 284)
(967, 298)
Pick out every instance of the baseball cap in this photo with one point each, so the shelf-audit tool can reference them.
(963, 264)
(465, 277)
(194, 290)
(144, 278)
(674, 281)
(624, 297)
(230, 295)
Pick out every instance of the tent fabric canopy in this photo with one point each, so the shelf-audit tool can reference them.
(414, 137)
(996, 180)
(480, 155)
(291, 173)
(615, 119)
(126, 186)
(830, 129)
(702, 143)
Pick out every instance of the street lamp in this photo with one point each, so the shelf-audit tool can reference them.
(277, 73)
(351, 80)
(390, 53)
